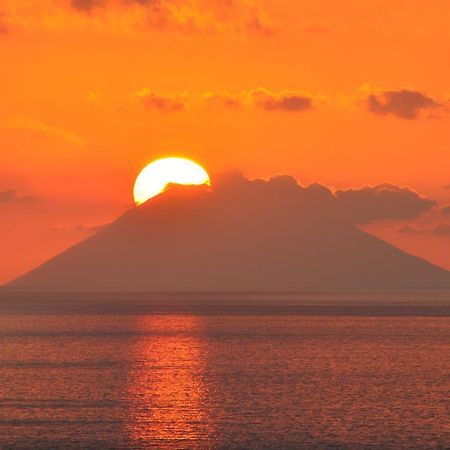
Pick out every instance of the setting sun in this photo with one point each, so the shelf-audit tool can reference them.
(154, 178)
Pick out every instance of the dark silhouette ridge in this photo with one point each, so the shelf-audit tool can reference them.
(240, 235)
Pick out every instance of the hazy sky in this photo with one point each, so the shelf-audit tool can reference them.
(346, 93)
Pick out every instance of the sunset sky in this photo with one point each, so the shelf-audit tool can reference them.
(345, 93)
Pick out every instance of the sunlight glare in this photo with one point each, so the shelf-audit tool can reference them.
(156, 176)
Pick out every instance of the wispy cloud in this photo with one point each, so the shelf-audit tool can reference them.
(442, 229)
(13, 195)
(161, 102)
(263, 99)
(32, 124)
(288, 101)
(223, 100)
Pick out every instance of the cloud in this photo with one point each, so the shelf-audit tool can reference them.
(442, 229)
(12, 195)
(288, 101)
(446, 210)
(30, 123)
(226, 101)
(87, 5)
(405, 104)
(185, 16)
(156, 101)
(447, 187)
(357, 206)
(384, 201)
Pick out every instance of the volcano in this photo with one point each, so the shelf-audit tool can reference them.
(241, 235)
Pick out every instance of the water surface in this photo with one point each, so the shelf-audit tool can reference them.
(196, 370)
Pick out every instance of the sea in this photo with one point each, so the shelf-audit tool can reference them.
(299, 370)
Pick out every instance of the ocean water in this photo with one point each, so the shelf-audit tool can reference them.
(312, 370)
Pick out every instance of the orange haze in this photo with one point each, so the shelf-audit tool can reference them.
(345, 93)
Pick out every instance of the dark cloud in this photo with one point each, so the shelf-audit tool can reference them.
(87, 5)
(442, 229)
(12, 195)
(384, 201)
(160, 12)
(447, 187)
(284, 101)
(357, 206)
(404, 103)
(153, 100)
(446, 209)
(190, 16)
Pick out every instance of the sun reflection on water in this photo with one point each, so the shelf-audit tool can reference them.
(167, 391)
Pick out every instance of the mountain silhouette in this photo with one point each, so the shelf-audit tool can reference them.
(238, 235)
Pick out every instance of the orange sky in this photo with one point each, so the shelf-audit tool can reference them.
(345, 93)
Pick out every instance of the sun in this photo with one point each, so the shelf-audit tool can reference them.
(156, 176)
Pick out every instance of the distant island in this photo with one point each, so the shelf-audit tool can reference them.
(239, 235)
